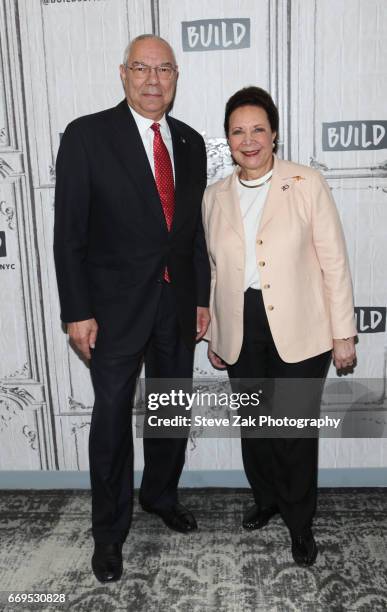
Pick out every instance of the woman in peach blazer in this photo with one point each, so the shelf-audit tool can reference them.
(281, 299)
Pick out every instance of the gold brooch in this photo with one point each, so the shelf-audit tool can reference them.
(294, 178)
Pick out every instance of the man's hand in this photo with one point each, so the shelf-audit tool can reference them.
(202, 321)
(215, 360)
(344, 353)
(83, 335)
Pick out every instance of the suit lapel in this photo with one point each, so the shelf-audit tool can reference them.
(280, 187)
(229, 204)
(127, 143)
(277, 195)
(181, 159)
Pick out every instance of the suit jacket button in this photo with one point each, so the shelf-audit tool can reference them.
(259, 241)
(267, 286)
(270, 307)
(261, 263)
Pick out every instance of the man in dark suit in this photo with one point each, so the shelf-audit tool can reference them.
(133, 278)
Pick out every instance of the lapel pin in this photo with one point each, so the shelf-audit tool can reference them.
(182, 140)
(285, 187)
(294, 178)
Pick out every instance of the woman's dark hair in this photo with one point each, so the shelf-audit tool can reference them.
(253, 96)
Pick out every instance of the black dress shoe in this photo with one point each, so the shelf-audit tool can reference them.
(256, 518)
(304, 548)
(107, 562)
(177, 518)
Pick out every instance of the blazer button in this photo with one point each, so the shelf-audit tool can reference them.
(261, 263)
(267, 286)
(259, 241)
(270, 307)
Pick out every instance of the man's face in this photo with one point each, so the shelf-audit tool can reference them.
(149, 94)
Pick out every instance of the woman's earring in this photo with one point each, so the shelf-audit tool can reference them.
(273, 144)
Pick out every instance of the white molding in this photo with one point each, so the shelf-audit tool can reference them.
(279, 48)
(17, 213)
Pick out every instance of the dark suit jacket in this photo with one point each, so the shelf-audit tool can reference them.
(111, 242)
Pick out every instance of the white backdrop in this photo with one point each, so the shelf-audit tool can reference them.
(323, 61)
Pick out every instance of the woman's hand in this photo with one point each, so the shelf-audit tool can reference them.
(215, 360)
(202, 322)
(344, 353)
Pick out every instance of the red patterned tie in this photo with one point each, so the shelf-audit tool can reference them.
(164, 179)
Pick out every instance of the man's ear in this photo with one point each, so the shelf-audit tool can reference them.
(123, 73)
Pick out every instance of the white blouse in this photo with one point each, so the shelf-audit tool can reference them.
(251, 201)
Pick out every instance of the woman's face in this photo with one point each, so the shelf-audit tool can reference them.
(251, 141)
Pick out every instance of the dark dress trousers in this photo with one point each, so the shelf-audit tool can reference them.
(281, 471)
(111, 246)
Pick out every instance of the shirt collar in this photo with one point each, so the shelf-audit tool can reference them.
(143, 123)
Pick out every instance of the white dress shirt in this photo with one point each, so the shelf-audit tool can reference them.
(147, 135)
(251, 201)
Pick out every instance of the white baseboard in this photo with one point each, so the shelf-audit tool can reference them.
(327, 477)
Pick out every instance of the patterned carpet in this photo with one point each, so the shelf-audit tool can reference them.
(46, 548)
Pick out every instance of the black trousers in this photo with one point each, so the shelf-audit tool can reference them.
(111, 444)
(281, 471)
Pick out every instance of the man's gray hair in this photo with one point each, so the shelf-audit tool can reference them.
(145, 37)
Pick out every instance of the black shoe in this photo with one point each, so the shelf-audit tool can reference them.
(304, 548)
(177, 518)
(107, 562)
(255, 518)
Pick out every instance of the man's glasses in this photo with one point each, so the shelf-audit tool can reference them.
(165, 72)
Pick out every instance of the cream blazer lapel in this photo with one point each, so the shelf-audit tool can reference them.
(277, 194)
(228, 201)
